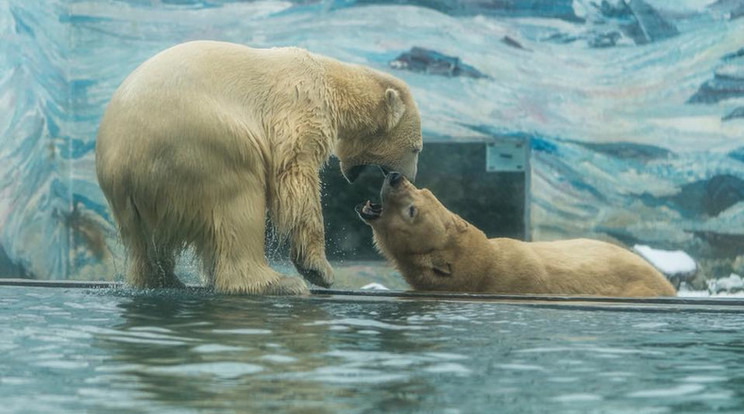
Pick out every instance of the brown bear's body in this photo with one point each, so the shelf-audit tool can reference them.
(201, 140)
(435, 249)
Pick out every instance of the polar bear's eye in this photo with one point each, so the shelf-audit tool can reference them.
(412, 211)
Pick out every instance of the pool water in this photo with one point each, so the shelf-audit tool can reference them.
(113, 350)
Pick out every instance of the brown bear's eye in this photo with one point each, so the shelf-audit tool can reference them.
(411, 212)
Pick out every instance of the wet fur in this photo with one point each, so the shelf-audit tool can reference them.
(201, 140)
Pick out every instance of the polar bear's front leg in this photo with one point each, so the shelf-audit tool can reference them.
(296, 211)
(233, 251)
(309, 259)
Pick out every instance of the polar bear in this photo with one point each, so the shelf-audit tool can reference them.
(437, 250)
(202, 140)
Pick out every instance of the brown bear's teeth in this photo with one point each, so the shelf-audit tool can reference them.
(371, 210)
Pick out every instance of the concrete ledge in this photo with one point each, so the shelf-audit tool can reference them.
(693, 304)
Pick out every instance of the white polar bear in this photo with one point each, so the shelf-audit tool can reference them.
(203, 138)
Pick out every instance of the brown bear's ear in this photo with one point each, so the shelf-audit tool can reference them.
(395, 107)
(440, 266)
(459, 224)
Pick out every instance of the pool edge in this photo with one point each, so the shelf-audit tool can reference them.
(738, 302)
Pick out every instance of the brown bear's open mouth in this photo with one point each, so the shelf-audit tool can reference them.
(369, 210)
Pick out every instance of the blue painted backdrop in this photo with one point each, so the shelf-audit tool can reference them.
(634, 108)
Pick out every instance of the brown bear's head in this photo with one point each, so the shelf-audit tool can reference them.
(410, 221)
(390, 138)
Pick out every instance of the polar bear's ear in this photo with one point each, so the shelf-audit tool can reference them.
(395, 107)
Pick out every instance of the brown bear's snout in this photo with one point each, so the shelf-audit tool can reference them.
(395, 183)
(394, 178)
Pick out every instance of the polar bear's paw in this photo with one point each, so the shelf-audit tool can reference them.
(318, 272)
(287, 285)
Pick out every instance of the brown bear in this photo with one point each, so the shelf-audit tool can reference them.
(201, 140)
(436, 250)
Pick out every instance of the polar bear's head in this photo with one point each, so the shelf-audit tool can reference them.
(390, 138)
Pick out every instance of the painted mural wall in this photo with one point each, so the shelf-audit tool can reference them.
(634, 108)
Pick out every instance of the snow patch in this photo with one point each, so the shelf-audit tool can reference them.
(669, 262)
(374, 286)
(732, 284)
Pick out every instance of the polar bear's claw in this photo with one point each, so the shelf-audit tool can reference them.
(320, 274)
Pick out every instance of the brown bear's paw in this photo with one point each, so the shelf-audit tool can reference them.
(318, 272)
(286, 285)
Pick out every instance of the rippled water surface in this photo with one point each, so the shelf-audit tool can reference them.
(75, 350)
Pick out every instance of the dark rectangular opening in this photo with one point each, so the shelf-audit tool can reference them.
(489, 194)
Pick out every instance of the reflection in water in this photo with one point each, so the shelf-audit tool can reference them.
(268, 353)
(218, 351)
(166, 351)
